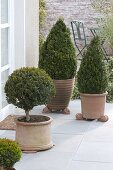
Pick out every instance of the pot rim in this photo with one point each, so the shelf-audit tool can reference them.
(87, 94)
(34, 123)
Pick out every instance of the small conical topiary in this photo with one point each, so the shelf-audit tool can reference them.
(92, 76)
(58, 56)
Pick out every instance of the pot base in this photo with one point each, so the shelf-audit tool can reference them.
(104, 118)
(79, 116)
(48, 110)
(36, 149)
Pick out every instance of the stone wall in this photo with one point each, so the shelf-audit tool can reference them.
(80, 10)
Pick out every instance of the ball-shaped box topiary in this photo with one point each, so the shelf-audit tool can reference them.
(57, 56)
(10, 153)
(92, 75)
(28, 87)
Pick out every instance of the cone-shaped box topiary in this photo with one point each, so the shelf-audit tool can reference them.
(58, 56)
(10, 153)
(58, 59)
(26, 88)
(92, 76)
(92, 79)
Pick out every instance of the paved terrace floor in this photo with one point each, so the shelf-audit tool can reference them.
(79, 145)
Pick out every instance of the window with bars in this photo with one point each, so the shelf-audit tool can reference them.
(6, 46)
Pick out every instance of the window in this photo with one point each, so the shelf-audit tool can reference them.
(6, 45)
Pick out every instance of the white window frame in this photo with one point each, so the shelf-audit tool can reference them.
(10, 26)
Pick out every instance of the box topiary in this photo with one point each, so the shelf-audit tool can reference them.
(28, 87)
(10, 153)
(92, 76)
(57, 56)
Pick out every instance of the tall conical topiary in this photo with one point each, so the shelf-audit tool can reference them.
(57, 56)
(92, 75)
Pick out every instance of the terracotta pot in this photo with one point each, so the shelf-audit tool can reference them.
(34, 136)
(63, 94)
(93, 105)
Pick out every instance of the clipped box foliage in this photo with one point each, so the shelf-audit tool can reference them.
(28, 87)
(10, 153)
(57, 55)
(92, 76)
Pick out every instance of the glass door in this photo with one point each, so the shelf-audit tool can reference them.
(6, 44)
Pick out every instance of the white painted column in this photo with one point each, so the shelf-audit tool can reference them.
(31, 32)
(19, 33)
(26, 33)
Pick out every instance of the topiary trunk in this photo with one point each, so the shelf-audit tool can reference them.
(27, 115)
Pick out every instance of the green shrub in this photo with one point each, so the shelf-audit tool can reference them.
(57, 56)
(10, 153)
(110, 70)
(92, 75)
(109, 97)
(105, 8)
(42, 12)
(110, 64)
(42, 15)
(75, 94)
(29, 87)
(102, 6)
(106, 30)
(41, 41)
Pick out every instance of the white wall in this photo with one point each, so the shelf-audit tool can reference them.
(31, 32)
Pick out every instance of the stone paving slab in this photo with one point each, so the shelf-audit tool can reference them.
(79, 165)
(45, 161)
(79, 145)
(95, 151)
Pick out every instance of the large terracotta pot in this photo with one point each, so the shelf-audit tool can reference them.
(34, 136)
(93, 106)
(63, 94)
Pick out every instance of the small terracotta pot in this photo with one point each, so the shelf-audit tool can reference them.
(63, 94)
(93, 105)
(34, 136)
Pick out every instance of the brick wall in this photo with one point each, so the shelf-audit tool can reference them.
(80, 10)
